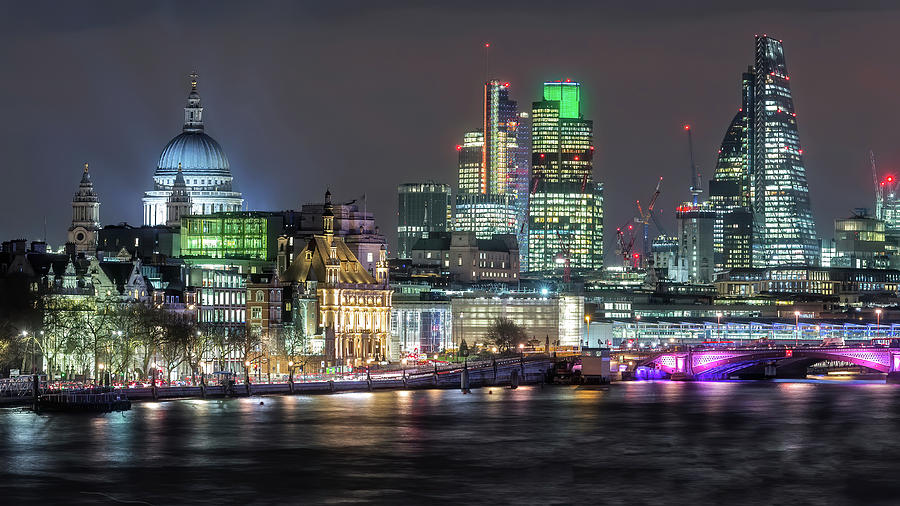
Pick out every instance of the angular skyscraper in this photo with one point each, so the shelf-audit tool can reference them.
(486, 196)
(565, 210)
(422, 208)
(759, 189)
(731, 189)
(785, 231)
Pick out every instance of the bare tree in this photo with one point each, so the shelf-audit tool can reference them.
(506, 335)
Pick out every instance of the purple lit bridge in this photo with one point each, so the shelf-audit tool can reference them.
(710, 364)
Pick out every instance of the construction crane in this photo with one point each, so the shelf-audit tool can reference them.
(879, 188)
(625, 239)
(564, 257)
(645, 215)
(696, 185)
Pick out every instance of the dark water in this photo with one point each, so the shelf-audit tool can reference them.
(633, 443)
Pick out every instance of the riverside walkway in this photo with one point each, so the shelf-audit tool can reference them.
(501, 372)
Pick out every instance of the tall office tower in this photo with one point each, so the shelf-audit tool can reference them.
(565, 210)
(523, 184)
(422, 208)
(759, 191)
(785, 229)
(486, 198)
(731, 189)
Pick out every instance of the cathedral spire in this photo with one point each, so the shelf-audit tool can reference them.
(193, 113)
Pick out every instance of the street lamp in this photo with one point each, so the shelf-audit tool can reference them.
(290, 371)
(878, 320)
(797, 331)
(522, 350)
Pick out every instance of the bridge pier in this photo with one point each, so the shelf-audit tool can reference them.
(893, 378)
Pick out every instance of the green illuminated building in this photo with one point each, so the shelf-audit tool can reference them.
(565, 215)
(236, 235)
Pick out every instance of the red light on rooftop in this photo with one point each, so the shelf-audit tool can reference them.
(687, 127)
(890, 179)
(630, 227)
(506, 85)
(458, 147)
(568, 80)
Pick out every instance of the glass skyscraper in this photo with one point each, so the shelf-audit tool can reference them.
(565, 211)
(488, 173)
(785, 230)
(422, 208)
(759, 190)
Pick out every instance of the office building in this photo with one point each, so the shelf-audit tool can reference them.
(423, 208)
(565, 210)
(489, 179)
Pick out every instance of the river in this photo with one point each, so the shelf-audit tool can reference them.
(631, 443)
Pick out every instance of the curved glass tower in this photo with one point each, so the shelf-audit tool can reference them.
(786, 231)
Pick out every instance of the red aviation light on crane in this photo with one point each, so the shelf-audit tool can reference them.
(890, 179)
(458, 147)
(506, 85)
(630, 227)
(687, 127)
(487, 44)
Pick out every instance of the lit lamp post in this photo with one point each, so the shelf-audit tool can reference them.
(522, 350)
(878, 320)
(797, 330)
(290, 371)
(100, 367)
(587, 330)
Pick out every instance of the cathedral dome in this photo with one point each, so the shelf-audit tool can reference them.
(198, 153)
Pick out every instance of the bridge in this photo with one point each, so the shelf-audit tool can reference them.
(710, 364)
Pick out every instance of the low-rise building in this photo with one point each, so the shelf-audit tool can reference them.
(466, 259)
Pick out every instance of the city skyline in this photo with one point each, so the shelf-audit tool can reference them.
(122, 158)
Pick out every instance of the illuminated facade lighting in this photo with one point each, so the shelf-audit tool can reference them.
(565, 217)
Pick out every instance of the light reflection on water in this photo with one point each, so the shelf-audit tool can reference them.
(817, 442)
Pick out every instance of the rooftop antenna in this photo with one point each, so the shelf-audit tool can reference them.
(487, 54)
(696, 186)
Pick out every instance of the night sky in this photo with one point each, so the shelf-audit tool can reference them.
(304, 96)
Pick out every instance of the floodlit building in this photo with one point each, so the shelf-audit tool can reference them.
(859, 242)
(761, 176)
(204, 166)
(423, 208)
(557, 318)
(353, 223)
(85, 216)
(489, 173)
(466, 259)
(565, 215)
(420, 325)
(238, 235)
(353, 306)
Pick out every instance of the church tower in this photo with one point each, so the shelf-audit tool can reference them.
(85, 216)
(179, 203)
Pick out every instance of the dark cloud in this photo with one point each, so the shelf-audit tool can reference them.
(361, 96)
